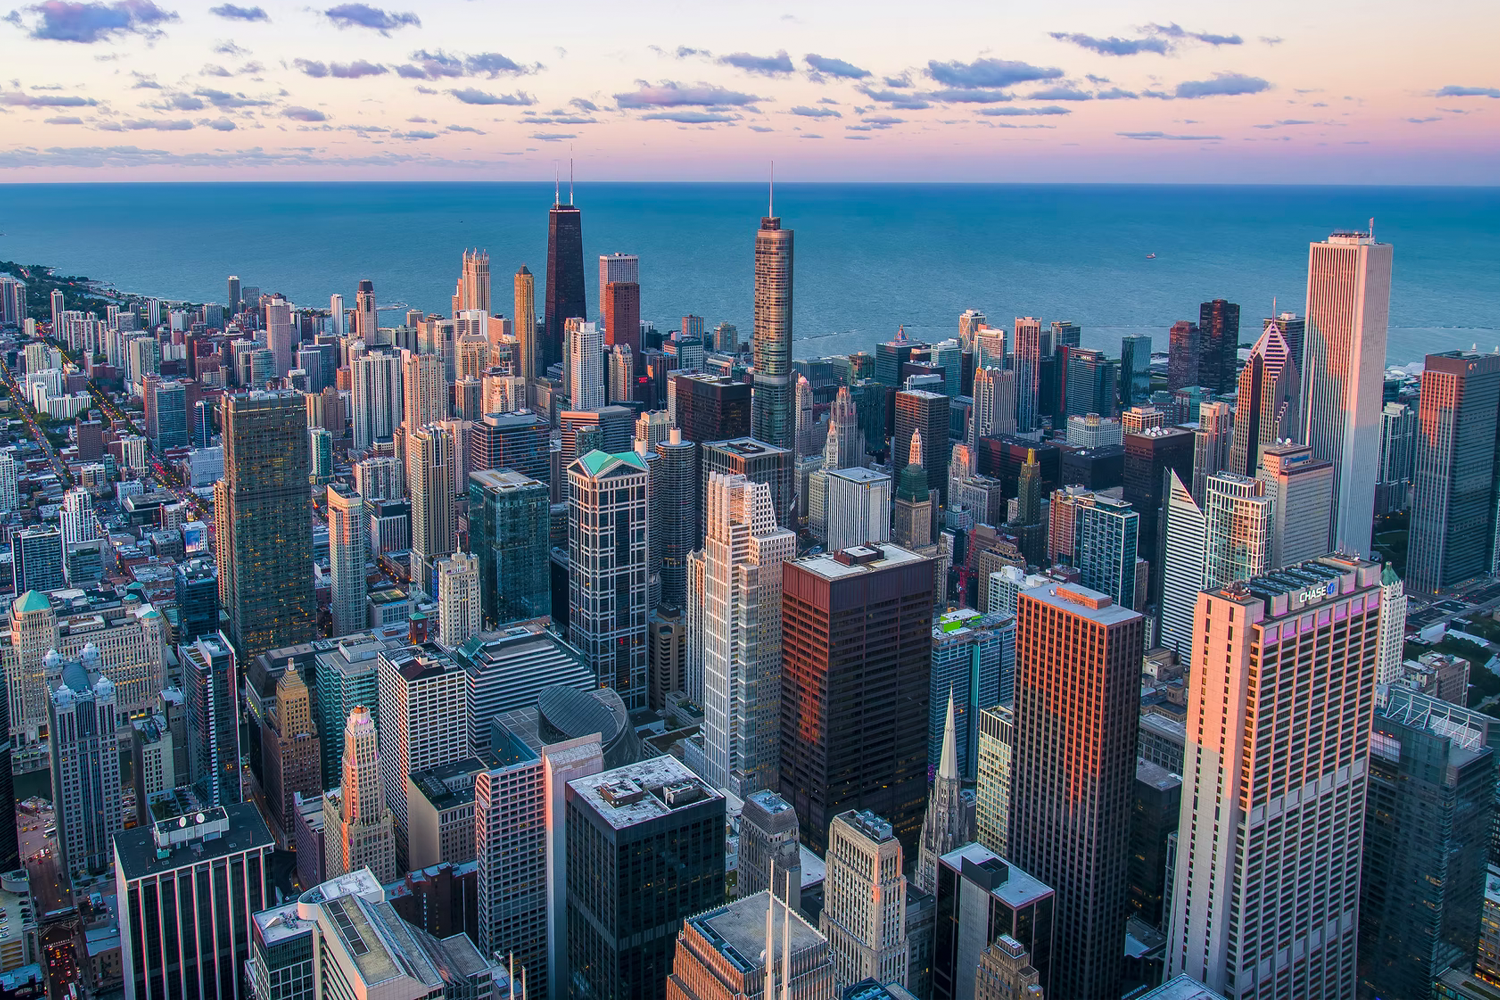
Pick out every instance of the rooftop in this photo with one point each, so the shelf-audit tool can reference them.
(1156, 776)
(1185, 988)
(638, 793)
(139, 856)
(860, 475)
(1081, 601)
(858, 560)
(1007, 883)
(738, 931)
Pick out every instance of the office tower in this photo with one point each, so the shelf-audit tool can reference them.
(864, 900)
(508, 531)
(1265, 409)
(1028, 334)
(566, 297)
(1427, 823)
(1300, 489)
(771, 419)
(210, 683)
(1184, 355)
(645, 849)
(473, 291)
(281, 335)
(233, 289)
(510, 845)
(946, 825)
(970, 322)
(973, 664)
(1005, 971)
(753, 946)
(1148, 455)
(359, 829)
(348, 550)
(1348, 302)
(769, 847)
(845, 448)
(515, 441)
(335, 327)
(1219, 326)
(585, 365)
(1077, 698)
(619, 267)
(1183, 564)
(264, 533)
(528, 666)
(1392, 628)
(457, 579)
(1135, 370)
(292, 755)
(914, 510)
(651, 428)
(608, 530)
(621, 383)
(1156, 805)
(622, 312)
(375, 397)
(423, 694)
(756, 461)
(186, 891)
(674, 531)
(803, 420)
(424, 391)
(1307, 635)
(532, 360)
(1398, 455)
(36, 560)
(1090, 383)
(167, 423)
(1211, 441)
(429, 480)
(734, 633)
(1237, 516)
(929, 413)
(711, 408)
(85, 760)
(859, 508)
(857, 620)
(196, 583)
(983, 899)
(366, 319)
(1106, 533)
(993, 775)
(1453, 515)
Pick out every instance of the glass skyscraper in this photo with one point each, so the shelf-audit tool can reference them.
(508, 531)
(771, 405)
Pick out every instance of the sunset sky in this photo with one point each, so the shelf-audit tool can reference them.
(1330, 91)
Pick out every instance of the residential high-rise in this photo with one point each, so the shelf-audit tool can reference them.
(366, 318)
(1348, 304)
(1029, 352)
(81, 713)
(993, 776)
(206, 872)
(982, 900)
(858, 505)
(994, 404)
(515, 441)
(1453, 514)
(566, 297)
(281, 336)
(264, 527)
(864, 900)
(1149, 454)
(1265, 409)
(1238, 525)
(292, 755)
(1078, 661)
(620, 291)
(473, 291)
(1428, 812)
(608, 543)
(674, 531)
(734, 634)
(928, 412)
(973, 664)
(1184, 355)
(755, 460)
(531, 352)
(457, 579)
(336, 324)
(750, 947)
(711, 407)
(1278, 745)
(429, 481)
(424, 392)
(947, 825)
(375, 388)
(1219, 326)
(509, 514)
(423, 695)
(771, 405)
(36, 560)
(510, 851)
(857, 620)
(1398, 457)
(1211, 442)
(1392, 628)
(585, 349)
(1106, 535)
(1300, 489)
(358, 829)
(348, 550)
(645, 849)
(211, 688)
(620, 382)
(769, 846)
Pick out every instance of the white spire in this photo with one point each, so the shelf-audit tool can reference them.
(769, 993)
(948, 768)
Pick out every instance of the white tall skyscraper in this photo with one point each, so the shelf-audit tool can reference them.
(1392, 627)
(618, 268)
(77, 516)
(336, 315)
(1301, 490)
(423, 698)
(348, 548)
(1029, 352)
(585, 363)
(1265, 898)
(859, 508)
(358, 829)
(458, 598)
(375, 397)
(1348, 303)
(1228, 538)
(8, 493)
(281, 335)
(994, 404)
(424, 392)
(734, 627)
(1184, 545)
(864, 900)
(429, 483)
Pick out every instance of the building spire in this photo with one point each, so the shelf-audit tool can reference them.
(914, 456)
(948, 766)
(570, 176)
(771, 204)
(556, 183)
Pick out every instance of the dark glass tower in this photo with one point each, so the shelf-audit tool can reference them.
(771, 406)
(1219, 323)
(566, 298)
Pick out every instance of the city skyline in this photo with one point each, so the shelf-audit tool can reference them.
(1083, 94)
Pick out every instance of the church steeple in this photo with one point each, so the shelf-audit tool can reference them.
(948, 824)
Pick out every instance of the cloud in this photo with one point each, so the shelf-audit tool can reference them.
(884, 121)
(181, 102)
(1060, 94)
(761, 128)
(1177, 31)
(553, 136)
(809, 135)
(158, 125)
(235, 13)
(1287, 121)
(1116, 94)
(63, 120)
(830, 66)
(1453, 91)
(959, 95)
(559, 118)
(904, 80)
(222, 125)
(685, 52)
(418, 135)
(311, 67)
(230, 49)
(438, 65)
(1050, 109)
(223, 99)
(583, 105)
(342, 71)
(144, 82)
(213, 70)
(778, 65)
(989, 73)
(94, 157)
(807, 112)
(470, 95)
(465, 128)
(1154, 136)
(20, 100)
(303, 114)
(1113, 46)
(1222, 85)
(689, 117)
(359, 15)
(1423, 121)
(905, 102)
(671, 95)
(70, 21)
(1271, 40)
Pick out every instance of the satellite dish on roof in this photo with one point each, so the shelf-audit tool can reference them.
(182, 821)
(201, 818)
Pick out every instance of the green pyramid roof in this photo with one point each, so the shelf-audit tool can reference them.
(32, 600)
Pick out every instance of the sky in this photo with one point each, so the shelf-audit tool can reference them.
(1320, 92)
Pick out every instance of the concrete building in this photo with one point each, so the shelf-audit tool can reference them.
(858, 507)
(291, 751)
(769, 844)
(1300, 489)
(358, 829)
(429, 480)
(995, 774)
(981, 898)
(81, 714)
(864, 900)
(458, 598)
(751, 947)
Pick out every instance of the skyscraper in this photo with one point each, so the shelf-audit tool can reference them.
(753, 946)
(566, 297)
(913, 515)
(211, 689)
(674, 531)
(859, 508)
(473, 291)
(1278, 751)
(1149, 454)
(1265, 409)
(348, 549)
(1106, 543)
(1398, 457)
(509, 514)
(768, 839)
(1089, 385)
(375, 392)
(1392, 627)
(531, 353)
(1077, 701)
(620, 290)
(993, 776)
(1184, 355)
(457, 578)
(983, 902)
(234, 302)
(928, 412)
(864, 900)
(734, 634)
(771, 405)
(292, 755)
(429, 478)
(608, 529)
(1135, 371)
(585, 365)
(281, 335)
(358, 828)
(366, 318)
(1219, 326)
(1348, 303)
(1180, 576)
(264, 527)
(1028, 372)
(335, 327)
(1238, 521)
(424, 390)
(510, 845)
(711, 408)
(857, 620)
(82, 716)
(1300, 489)
(1211, 441)
(947, 825)
(1453, 516)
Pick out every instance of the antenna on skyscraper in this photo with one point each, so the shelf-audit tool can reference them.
(1372, 230)
(771, 205)
(556, 183)
(570, 175)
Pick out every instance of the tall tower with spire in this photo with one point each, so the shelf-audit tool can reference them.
(948, 824)
(912, 527)
(566, 298)
(359, 830)
(845, 448)
(771, 418)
